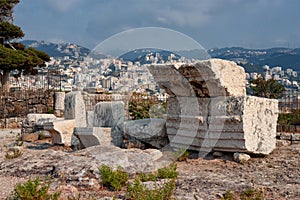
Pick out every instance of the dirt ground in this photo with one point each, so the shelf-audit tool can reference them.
(277, 175)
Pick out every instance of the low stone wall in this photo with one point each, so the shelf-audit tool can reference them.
(14, 122)
(20, 103)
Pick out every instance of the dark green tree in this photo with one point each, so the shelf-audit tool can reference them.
(271, 88)
(13, 54)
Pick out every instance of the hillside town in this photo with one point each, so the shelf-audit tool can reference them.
(114, 75)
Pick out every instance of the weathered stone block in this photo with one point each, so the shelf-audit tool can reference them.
(150, 131)
(32, 120)
(244, 124)
(111, 114)
(61, 131)
(59, 100)
(93, 136)
(75, 108)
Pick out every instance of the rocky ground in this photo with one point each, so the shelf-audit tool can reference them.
(278, 175)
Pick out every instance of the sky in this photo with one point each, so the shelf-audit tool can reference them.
(212, 23)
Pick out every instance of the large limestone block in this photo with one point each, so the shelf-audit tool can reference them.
(61, 131)
(151, 131)
(244, 124)
(111, 114)
(93, 136)
(75, 108)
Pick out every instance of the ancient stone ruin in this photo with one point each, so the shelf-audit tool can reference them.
(208, 108)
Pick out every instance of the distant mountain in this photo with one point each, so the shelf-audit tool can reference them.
(58, 50)
(253, 59)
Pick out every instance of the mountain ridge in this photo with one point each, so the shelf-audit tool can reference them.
(251, 59)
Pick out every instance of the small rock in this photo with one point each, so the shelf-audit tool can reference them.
(217, 154)
(241, 157)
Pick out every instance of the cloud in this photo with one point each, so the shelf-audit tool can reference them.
(63, 5)
(217, 22)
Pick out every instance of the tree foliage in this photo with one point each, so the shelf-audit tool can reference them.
(9, 31)
(271, 88)
(6, 9)
(14, 55)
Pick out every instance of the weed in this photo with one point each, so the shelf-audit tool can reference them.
(139, 191)
(228, 195)
(13, 154)
(181, 154)
(248, 194)
(33, 189)
(113, 179)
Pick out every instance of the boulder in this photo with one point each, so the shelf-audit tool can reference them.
(151, 131)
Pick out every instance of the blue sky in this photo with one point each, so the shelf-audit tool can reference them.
(212, 23)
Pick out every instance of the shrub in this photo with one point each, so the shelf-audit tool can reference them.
(34, 190)
(113, 179)
(147, 177)
(139, 191)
